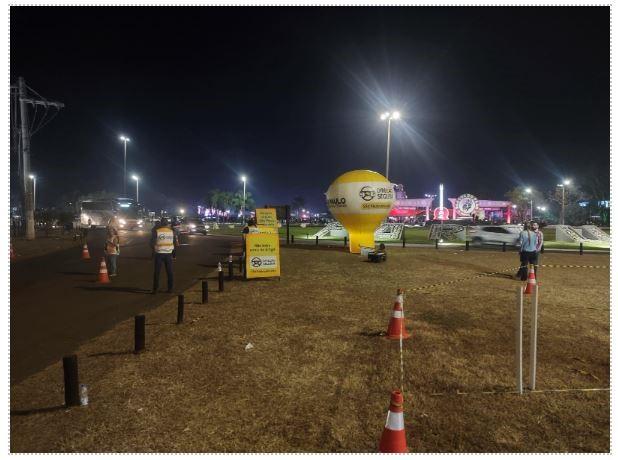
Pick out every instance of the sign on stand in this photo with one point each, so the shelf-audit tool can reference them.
(266, 217)
(262, 258)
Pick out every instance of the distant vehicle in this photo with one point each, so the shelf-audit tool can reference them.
(130, 216)
(193, 225)
(495, 234)
(98, 213)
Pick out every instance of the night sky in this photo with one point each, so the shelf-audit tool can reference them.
(491, 97)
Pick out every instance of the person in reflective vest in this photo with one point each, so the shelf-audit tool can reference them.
(163, 242)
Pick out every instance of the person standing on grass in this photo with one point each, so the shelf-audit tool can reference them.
(112, 247)
(163, 242)
(530, 244)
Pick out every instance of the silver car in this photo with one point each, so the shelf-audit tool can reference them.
(495, 234)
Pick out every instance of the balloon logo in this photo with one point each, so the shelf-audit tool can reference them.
(360, 200)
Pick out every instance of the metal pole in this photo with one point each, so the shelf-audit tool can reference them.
(124, 186)
(530, 209)
(181, 309)
(562, 204)
(518, 339)
(533, 337)
(71, 380)
(244, 198)
(25, 149)
(140, 333)
(388, 144)
(137, 191)
(204, 291)
(34, 194)
(287, 224)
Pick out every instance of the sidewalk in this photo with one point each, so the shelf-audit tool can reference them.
(25, 249)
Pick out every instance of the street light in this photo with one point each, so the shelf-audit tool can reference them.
(244, 196)
(125, 140)
(528, 191)
(563, 185)
(182, 211)
(389, 116)
(136, 179)
(33, 177)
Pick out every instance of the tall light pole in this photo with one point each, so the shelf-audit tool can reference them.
(125, 140)
(244, 196)
(33, 177)
(528, 192)
(563, 185)
(136, 179)
(389, 116)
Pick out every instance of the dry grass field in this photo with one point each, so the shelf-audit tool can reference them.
(320, 374)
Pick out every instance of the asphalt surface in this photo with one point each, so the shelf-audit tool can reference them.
(57, 304)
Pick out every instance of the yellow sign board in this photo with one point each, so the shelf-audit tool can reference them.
(263, 229)
(266, 217)
(262, 256)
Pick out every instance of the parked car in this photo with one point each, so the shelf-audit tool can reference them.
(495, 234)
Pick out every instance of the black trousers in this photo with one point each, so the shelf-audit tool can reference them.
(530, 258)
(163, 259)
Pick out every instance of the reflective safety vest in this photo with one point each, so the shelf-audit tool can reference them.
(165, 240)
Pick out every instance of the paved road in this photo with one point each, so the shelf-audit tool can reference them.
(56, 303)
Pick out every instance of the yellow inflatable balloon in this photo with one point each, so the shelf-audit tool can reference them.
(360, 200)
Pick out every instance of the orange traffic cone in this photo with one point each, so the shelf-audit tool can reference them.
(103, 278)
(393, 439)
(396, 325)
(531, 280)
(85, 253)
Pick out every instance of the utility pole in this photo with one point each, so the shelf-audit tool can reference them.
(27, 184)
(25, 152)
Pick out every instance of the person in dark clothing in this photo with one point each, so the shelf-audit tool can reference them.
(163, 242)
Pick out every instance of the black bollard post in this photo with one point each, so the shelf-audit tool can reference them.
(140, 333)
(230, 269)
(181, 309)
(316, 240)
(542, 248)
(292, 239)
(503, 247)
(345, 241)
(221, 287)
(71, 381)
(467, 245)
(403, 237)
(436, 244)
(205, 291)
(581, 249)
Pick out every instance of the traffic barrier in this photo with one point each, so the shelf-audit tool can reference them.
(140, 333)
(220, 271)
(393, 440)
(396, 326)
(230, 268)
(71, 381)
(181, 309)
(85, 253)
(204, 291)
(531, 280)
(103, 278)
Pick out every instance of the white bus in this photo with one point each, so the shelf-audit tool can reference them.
(97, 213)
